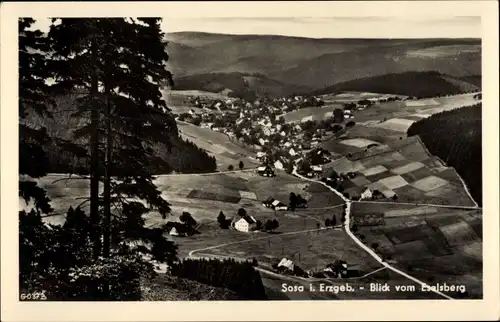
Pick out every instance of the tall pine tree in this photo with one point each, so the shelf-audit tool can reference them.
(33, 98)
(119, 65)
(116, 67)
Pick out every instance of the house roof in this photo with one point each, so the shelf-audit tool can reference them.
(249, 219)
(269, 200)
(286, 263)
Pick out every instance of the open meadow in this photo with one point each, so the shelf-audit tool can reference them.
(219, 145)
(311, 114)
(202, 195)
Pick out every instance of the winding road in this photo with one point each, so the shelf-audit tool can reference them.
(363, 246)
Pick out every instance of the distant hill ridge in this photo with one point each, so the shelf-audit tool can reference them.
(317, 63)
(419, 84)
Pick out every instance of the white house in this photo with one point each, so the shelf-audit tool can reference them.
(367, 194)
(261, 154)
(246, 224)
(283, 133)
(278, 165)
(267, 131)
(288, 144)
(316, 168)
(292, 152)
(261, 141)
(192, 112)
(288, 264)
(173, 232)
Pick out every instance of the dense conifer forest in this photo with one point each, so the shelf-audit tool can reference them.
(182, 156)
(239, 277)
(455, 137)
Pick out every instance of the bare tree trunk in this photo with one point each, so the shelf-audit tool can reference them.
(94, 158)
(107, 176)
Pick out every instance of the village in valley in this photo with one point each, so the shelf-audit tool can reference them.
(281, 147)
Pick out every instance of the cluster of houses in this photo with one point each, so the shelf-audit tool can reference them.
(337, 269)
(260, 125)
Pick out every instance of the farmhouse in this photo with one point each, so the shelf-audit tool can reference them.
(268, 202)
(286, 264)
(176, 228)
(338, 269)
(367, 194)
(173, 232)
(278, 165)
(278, 205)
(246, 224)
(261, 155)
(265, 171)
(274, 204)
(317, 169)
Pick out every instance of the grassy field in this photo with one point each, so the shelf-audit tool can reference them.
(311, 113)
(212, 234)
(312, 250)
(434, 244)
(204, 196)
(405, 168)
(219, 145)
(353, 96)
(179, 100)
(398, 116)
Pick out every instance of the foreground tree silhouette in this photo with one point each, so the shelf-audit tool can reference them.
(34, 98)
(116, 66)
(119, 64)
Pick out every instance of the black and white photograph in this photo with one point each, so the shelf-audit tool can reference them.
(250, 158)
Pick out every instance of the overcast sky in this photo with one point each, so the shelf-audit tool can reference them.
(326, 27)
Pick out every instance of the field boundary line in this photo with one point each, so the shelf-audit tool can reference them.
(163, 175)
(418, 204)
(366, 248)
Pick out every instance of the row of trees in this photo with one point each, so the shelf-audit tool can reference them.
(241, 165)
(240, 277)
(117, 66)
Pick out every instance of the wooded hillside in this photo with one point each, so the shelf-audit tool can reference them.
(455, 137)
